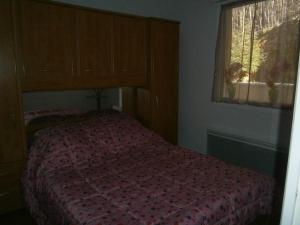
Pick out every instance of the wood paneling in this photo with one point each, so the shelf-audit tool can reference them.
(11, 139)
(10, 187)
(129, 100)
(48, 44)
(164, 78)
(9, 175)
(143, 106)
(11, 200)
(11, 131)
(70, 47)
(130, 47)
(94, 46)
(157, 105)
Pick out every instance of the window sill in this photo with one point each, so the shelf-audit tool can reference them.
(252, 107)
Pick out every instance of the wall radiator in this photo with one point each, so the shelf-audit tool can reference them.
(254, 154)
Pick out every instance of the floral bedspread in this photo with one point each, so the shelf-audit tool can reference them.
(112, 171)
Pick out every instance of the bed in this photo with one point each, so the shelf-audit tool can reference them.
(107, 169)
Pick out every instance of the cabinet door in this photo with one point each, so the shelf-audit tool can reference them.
(48, 45)
(94, 47)
(130, 49)
(10, 187)
(164, 78)
(11, 136)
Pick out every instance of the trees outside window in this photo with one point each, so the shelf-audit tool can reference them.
(257, 53)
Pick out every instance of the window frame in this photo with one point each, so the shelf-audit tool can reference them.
(227, 100)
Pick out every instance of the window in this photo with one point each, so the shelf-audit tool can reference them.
(257, 53)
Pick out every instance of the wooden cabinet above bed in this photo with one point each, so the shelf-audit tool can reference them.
(130, 48)
(66, 47)
(94, 47)
(48, 45)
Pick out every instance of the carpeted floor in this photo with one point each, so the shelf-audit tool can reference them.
(22, 217)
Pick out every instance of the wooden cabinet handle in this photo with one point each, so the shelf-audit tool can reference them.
(24, 71)
(73, 69)
(12, 118)
(156, 101)
(4, 194)
(88, 70)
(2, 174)
(44, 70)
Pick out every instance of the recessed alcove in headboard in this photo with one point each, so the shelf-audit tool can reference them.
(76, 99)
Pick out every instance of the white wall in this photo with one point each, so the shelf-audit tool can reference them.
(149, 8)
(296, 219)
(199, 24)
(291, 201)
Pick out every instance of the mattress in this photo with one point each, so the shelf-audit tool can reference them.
(109, 170)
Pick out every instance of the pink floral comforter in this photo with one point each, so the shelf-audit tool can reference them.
(112, 171)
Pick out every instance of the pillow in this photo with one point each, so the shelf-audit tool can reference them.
(39, 120)
(31, 115)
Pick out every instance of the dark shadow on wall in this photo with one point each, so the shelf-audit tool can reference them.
(283, 143)
(270, 160)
